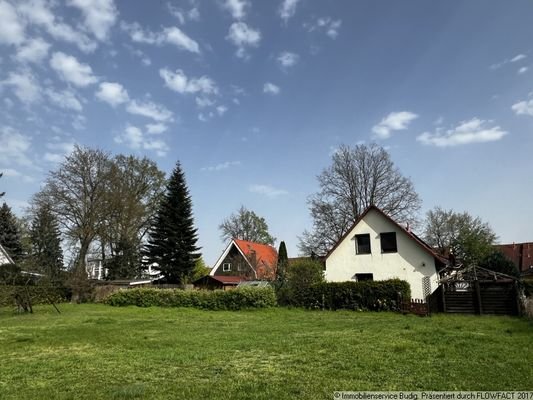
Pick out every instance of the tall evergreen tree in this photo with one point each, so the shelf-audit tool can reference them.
(172, 236)
(10, 237)
(283, 263)
(45, 236)
(2, 193)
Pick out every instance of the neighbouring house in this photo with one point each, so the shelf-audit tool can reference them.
(521, 254)
(4, 256)
(247, 260)
(378, 248)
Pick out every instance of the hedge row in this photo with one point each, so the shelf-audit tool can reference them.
(237, 299)
(38, 294)
(367, 295)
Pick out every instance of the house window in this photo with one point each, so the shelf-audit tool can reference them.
(388, 242)
(226, 267)
(362, 244)
(364, 277)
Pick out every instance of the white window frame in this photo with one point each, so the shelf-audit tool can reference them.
(226, 267)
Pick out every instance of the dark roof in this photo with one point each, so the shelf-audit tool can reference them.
(410, 234)
(225, 280)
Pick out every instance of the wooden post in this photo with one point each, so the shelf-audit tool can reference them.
(478, 295)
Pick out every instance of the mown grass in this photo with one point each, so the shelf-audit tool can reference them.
(100, 352)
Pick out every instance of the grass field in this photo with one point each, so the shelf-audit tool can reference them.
(100, 352)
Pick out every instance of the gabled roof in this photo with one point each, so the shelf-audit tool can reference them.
(410, 234)
(265, 256)
(6, 254)
(263, 252)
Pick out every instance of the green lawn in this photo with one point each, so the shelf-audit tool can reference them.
(100, 352)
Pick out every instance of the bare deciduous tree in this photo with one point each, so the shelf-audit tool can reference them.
(75, 193)
(357, 178)
(246, 225)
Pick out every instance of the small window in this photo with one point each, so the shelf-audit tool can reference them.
(226, 267)
(388, 242)
(364, 277)
(362, 244)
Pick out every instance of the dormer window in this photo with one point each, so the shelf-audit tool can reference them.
(362, 244)
(388, 242)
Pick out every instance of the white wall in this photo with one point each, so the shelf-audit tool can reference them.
(411, 263)
(3, 258)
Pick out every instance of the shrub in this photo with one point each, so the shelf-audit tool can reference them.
(301, 275)
(238, 299)
(368, 295)
(38, 294)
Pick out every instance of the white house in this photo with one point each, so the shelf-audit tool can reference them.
(378, 248)
(4, 257)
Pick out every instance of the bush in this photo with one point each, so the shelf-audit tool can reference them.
(301, 275)
(38, 294)
(368, 295)
(238, 299)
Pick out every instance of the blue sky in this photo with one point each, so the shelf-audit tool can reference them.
(254, 96)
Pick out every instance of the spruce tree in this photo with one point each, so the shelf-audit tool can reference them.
(172, 236)
(45, 236)
(10, 237)
(283, 263)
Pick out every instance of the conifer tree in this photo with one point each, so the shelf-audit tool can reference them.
(172, 236)
(45, 237)
(10, 237)
(283, 263)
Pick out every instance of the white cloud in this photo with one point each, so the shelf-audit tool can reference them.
(13, 173)
(172, 35)
(150, 110)
(267, 190)
(192, 15)
(237, 8)
(467, 132)
(58, 151)
(40, 13)
(14, 147)
(221, 110)
(11, 27)
(34, 50)
(270, 88)
(135, 139)
(64, 99)
(325, 24)
(24, 86)
(523, 107)
(112, 93)
(180, 83)
(53, 158)
(222, 166)
(515, 59)
(242, 36)
(156, 129)
(287, 59)
(518, 58)
(71, 70)
(395, 121)
(287, 9)
(203, 101)
(99, 15)
(523, 70)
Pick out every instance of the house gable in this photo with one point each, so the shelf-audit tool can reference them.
(249, 259)
(404, 256)
(4, 256)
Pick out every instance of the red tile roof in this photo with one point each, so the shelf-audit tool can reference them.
(521, 254)
(265, 256)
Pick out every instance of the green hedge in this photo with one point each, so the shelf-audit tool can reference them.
(236, 299)
(367, 295)
(38, 294)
